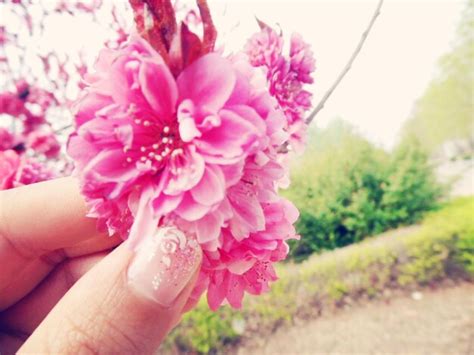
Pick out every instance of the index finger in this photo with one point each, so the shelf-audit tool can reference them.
(40, 225)
(43, 217)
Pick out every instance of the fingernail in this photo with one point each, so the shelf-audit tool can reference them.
(163, 265)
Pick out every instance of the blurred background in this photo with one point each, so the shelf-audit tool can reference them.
(385, 188)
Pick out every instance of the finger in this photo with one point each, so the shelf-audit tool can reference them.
(20, 283)
(30, 273)
(127, 303)
(92, 245)
(42, 217)
(35, 220)
(9, 344)
(27, 314)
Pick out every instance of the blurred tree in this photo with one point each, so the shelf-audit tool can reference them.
(337, 185)
(445, 112)
(411, 186)
(348, 189)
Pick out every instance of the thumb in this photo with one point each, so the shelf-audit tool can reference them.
(125, 304)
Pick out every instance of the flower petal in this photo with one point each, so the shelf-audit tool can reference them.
(208, 228)
(159, 87)
(190, 210)
(108, 166)
(230, 140)
(185, 170)
(208, 82)
(211, 189)
(80, 150)
(235, 292)
(146, 221)
(217, 290)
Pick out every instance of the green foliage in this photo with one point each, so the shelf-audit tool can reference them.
(442, 247)
(444, 112)
(347, 189)
(410, 189)
(201, 329)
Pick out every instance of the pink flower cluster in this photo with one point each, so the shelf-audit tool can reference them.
(18, 170)
(199, 151)
(27, 106)
(27, 103)
(286, 76)
(31, 100)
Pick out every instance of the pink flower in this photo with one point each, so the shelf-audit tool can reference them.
(22, 89)
(265, 48)
(7, 139)
(11, 104)
(31, 171)
(43, 142)
(199, 151)
(32, 122)
(173, 140)
(246, 265)
(16, 170)
(286, 76)
(301, 59)
(9, 163)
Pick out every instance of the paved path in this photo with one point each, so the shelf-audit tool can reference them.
(435, 322)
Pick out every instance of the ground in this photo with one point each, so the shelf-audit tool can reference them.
(426, 322)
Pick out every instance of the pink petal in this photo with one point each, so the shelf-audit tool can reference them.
(190, 210)
(240, 267)
(291, 212)
(185, 171)
(208, 228)
(158, 87)
(187, 125)
(188, 130)
(86, 107)
(217, 292)
(235, 292)
(80, 150)
(230, 140)
(248, 214)
(108, 165)
(208, 82)
(233, 172)
(146, 222)
(211, 189)
(165, 203)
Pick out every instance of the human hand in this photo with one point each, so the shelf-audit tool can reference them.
(62, 289)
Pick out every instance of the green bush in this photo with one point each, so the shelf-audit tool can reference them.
(204, 328)
(410, 189)
(347, 189)
(442, 247)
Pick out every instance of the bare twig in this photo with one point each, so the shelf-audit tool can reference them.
(348, 66)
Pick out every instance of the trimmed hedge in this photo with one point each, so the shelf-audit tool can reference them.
(443, 246)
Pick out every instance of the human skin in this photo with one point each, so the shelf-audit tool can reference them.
(66, 288)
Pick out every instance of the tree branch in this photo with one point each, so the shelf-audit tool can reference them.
(348, 66)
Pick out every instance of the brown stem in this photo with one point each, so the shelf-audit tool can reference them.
(348, 66)
(164, 19)
(154, 34)
(210, 33)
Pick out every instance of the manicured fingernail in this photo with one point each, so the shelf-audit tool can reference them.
(163, 265)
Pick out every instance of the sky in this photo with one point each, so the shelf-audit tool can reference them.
(391, 72)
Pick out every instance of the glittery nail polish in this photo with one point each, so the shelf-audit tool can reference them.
(163, 265)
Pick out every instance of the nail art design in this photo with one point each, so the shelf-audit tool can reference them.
(163, 265)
